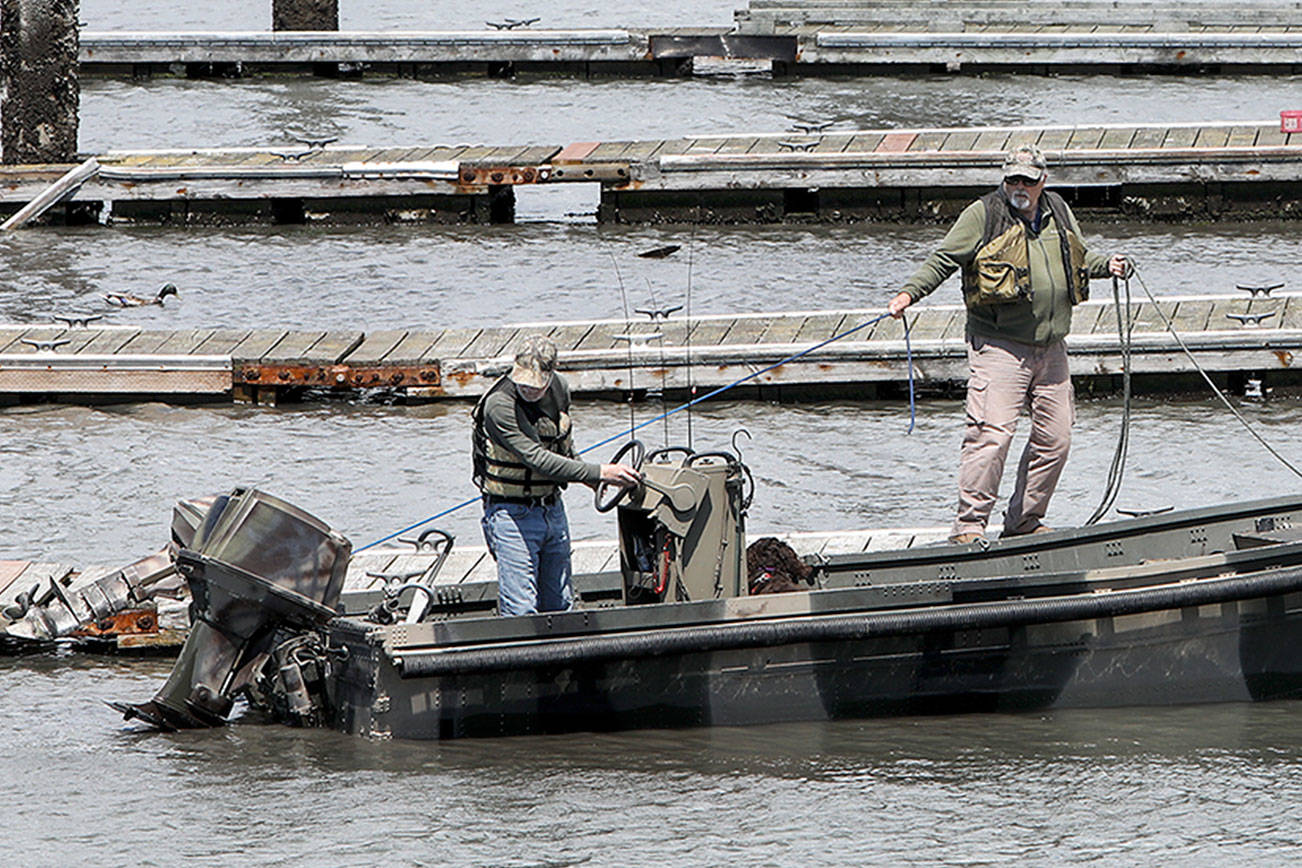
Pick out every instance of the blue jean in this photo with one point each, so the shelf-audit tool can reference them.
(532, 548)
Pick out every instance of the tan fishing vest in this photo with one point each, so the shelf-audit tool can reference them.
(498, 470)
(1001, 270)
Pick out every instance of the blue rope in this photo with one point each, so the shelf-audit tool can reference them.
(908, 350)
(691, 403)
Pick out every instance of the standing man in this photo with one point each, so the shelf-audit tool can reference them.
(524, 456)
(1024, 267)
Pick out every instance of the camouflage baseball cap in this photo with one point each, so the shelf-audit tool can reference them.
(535, 361)
(1025, 161)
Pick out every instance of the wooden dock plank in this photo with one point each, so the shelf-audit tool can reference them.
(222, 342)
(184, 342)
(1148, 137)
(293, 348)
(991, 140)
(1242, 137)
(602, 336)
(833, 144)
(783, 329)
(1116, 138)
(1022, 137)
(1054, 140)
(78, 339)
(332, 348)
(963, 140)
(930, 141)
(413, 348)
(452, 343)
(146, 341)
(1218, 319)
(490, 342)
(1085, 138)
(1212, 137)
(642, 150)
(1191, 316)
(110, 341)
(1180, 137)
(738, 145)
(1290, 315)
(894, 143)
(818, 327)
(1084, 319)
(9, 336)
(864, 143)
(745, 331)
(375, 346)
(607, 151)
(931, 323)
(1271, 137)
(567, 337)
(710, 332)
(257, 345)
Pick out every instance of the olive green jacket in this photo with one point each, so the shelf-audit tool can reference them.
(1045, 317)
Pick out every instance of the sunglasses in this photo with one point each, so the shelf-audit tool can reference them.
(1019, 180)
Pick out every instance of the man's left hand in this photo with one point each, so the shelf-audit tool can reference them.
(1118, 266)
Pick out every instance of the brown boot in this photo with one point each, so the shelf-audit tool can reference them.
(962, 539)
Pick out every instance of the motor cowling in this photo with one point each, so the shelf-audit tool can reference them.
(259, 568)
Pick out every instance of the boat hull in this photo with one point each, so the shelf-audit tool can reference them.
(1232, 650)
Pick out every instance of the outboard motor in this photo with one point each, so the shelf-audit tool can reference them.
(682, 532)
(258, 566)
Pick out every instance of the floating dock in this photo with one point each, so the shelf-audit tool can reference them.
(789, 37)
(1140, 171)
(1240, 339)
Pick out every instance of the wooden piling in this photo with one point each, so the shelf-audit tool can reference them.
(38, 77)
(305, 14)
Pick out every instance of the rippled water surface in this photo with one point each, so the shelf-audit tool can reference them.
(1198, 786)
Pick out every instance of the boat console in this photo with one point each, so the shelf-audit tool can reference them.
(682, 532)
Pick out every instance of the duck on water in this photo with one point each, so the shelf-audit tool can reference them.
(1201, 605)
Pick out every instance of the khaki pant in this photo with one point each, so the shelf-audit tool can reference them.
(1003, 377)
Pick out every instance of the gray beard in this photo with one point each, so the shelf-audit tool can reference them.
(1021, 199)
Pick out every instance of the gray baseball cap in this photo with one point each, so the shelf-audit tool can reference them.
(535, 361)
(1025, 161)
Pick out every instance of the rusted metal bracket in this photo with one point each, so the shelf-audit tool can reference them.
(613, 171)
(337, 376)
(120, 623)
(486, 174)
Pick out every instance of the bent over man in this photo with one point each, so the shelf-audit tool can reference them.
(1024, 266)
(524, 456)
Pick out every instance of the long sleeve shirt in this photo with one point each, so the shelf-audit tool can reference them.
(1044, 318)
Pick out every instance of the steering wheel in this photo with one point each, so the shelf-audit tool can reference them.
(606, 502)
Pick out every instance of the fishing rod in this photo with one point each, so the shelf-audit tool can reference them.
(1170, 327)
(687, 407)
(628, 333)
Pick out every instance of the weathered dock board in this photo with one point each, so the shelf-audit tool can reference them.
(272, 363)
(794, 36)
(1166, 171)
(891, 36)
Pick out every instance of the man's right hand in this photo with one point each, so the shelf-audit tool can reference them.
(899, 303)
(620, 474)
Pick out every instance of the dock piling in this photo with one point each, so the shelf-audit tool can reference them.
(305, 14)
(39, 45)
